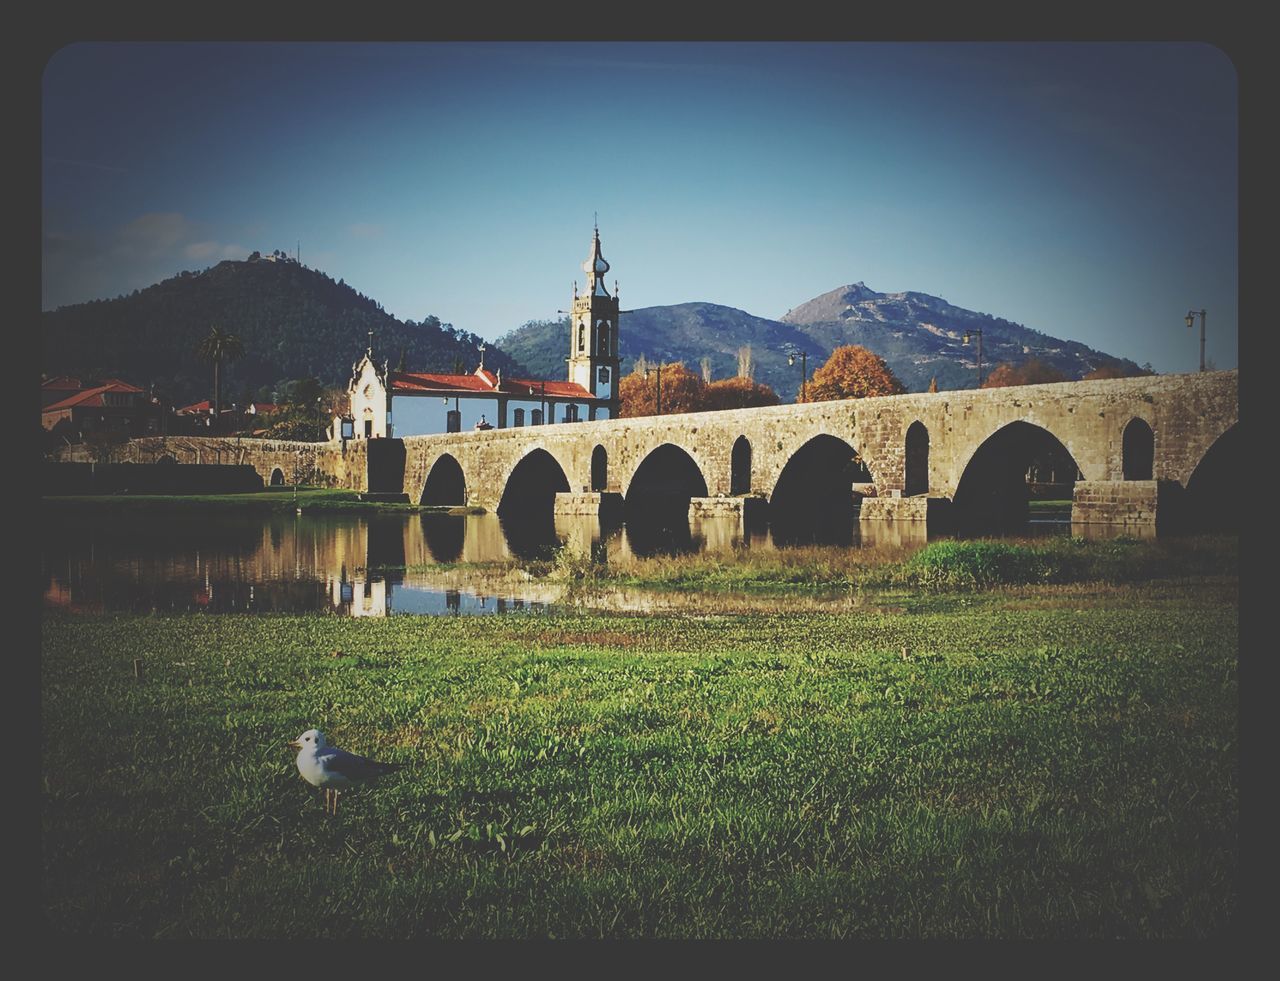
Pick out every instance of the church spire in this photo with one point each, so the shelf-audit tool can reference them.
(595, 267)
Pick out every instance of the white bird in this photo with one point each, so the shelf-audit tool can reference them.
(333, 769)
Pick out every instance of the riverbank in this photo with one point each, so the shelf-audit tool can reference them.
(309, 500)
(942, 565)
(1031, 761)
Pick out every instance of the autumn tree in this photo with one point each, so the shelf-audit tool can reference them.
(682, 391)
(933, 384)
(852, 372)
(738, 393)
(1033, 371)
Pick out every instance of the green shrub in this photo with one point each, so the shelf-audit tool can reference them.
(953, 564)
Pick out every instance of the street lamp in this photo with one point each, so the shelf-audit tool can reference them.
(1191, 319)
(646, 374)
(804, 370)
(975, 332)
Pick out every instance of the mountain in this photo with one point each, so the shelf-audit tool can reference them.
(920, 336)
(295, 322)
(686, 332)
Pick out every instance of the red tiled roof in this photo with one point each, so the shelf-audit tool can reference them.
(421, 381)
(483, 381)
(61, 383)
(197, 408)
(116, 385)
(91, 397)
(564, 388)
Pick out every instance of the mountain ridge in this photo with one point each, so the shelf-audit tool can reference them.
(920, 336)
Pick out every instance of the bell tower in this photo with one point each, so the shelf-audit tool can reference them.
(593, 332)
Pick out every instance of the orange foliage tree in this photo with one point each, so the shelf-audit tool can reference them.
(682, 391)
(737, 393)
(1033, 371)
(852, 372)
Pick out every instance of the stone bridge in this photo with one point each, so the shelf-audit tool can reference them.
(1135, 444)
(1133, 451)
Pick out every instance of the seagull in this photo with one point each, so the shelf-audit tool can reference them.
(333, 769)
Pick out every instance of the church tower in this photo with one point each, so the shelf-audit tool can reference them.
(593, 332)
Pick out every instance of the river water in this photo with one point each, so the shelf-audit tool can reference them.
(363, 565)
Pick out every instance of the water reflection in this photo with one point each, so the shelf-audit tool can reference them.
(367, 565)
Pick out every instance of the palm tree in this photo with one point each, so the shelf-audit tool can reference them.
(219, 346)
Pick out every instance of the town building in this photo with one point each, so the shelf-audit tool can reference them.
(113, 406)
(385, 403)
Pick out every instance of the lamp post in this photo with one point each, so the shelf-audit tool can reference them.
(658, 412)
(1191, 319)
(975, 332)
(804, 370)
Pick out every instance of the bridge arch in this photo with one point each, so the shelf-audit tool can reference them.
(1138, 450)
(994, 487)
(599, 468)
(656, 505)
(813, 499)
(277, 475)
(531, 485)
(445, 484)
(916, 454)
(740, 466)
(1212, 484)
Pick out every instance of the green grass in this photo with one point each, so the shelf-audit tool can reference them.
(1051, 761)
(947, 565)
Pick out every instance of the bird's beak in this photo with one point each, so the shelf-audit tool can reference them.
(294, 744)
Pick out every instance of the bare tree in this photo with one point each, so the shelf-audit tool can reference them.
(746, 363)
(705, 364)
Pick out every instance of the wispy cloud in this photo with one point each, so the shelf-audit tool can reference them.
(85, 264)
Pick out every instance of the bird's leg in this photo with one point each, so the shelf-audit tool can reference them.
(327, 793)
(335, 803)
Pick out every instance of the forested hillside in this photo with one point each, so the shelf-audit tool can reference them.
(294, 323)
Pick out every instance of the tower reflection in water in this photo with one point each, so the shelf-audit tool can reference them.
(375, 565)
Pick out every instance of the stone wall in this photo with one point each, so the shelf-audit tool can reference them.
(324, 464)
(1138, 503)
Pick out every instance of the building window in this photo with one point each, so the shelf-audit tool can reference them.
(604, 376)
(519, 417)
(571, 412)
(535, 417)
(582, 337)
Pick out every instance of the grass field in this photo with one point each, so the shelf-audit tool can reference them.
(1019, 761)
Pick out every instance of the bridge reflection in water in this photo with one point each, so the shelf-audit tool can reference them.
(367, 565)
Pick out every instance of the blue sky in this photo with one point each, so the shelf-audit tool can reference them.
(1088, 191)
